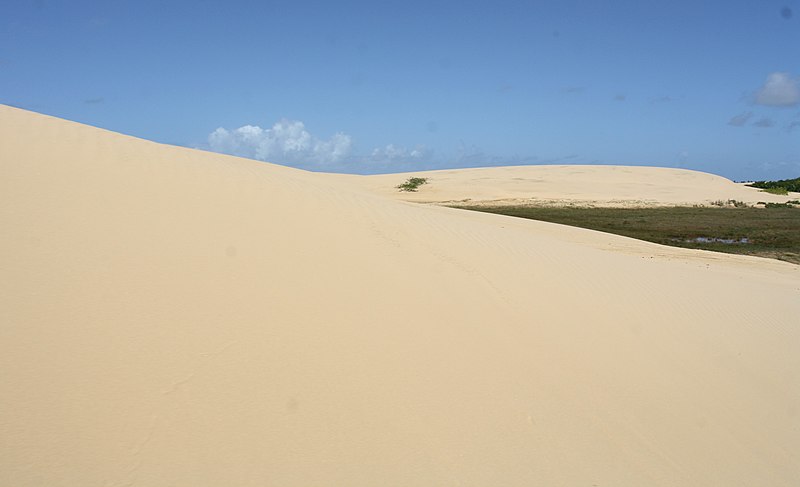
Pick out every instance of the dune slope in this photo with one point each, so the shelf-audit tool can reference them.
(175, 317)
(559, 185)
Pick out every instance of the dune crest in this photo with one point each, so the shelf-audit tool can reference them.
(177, 317)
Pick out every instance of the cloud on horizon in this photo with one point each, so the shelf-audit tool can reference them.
(286, 142)
(394, 153)
(779, 90)
(474, 156)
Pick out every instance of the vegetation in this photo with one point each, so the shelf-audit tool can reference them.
(734, 203)
(772, 232)
(780, 191)
(788, 204)
(412, 184)
(783, 185)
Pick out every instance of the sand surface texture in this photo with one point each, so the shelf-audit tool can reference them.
(608, 186)
(170, 317)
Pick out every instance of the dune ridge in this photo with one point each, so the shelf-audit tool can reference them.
(576, 185)
(177, 317)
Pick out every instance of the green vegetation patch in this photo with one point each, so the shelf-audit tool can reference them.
(782, 186)
(734, 203)
(412, 184)
(767, 232)
(780, 191)
(788, 204)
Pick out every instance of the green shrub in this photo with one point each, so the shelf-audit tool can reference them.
(776, 190)
(412, 184)
(785, 184)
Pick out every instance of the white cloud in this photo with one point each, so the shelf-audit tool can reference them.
(765, 122)
(662, 99)
(741, 119)
(474, 156)
(396, 153)
(780, 90)
(287, 142)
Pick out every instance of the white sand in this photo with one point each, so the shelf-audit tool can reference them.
(570, 185)
(173, 317)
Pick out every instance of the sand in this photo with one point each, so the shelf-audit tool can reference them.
(575, 185)
(176, 317)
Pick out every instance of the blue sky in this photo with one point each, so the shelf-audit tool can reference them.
(389, 86)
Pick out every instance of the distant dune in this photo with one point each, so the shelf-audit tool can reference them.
(570, 185)
(177, 317)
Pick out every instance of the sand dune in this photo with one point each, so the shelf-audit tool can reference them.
(573, 185)
(175, 317)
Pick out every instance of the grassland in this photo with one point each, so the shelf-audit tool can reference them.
(765, 232)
